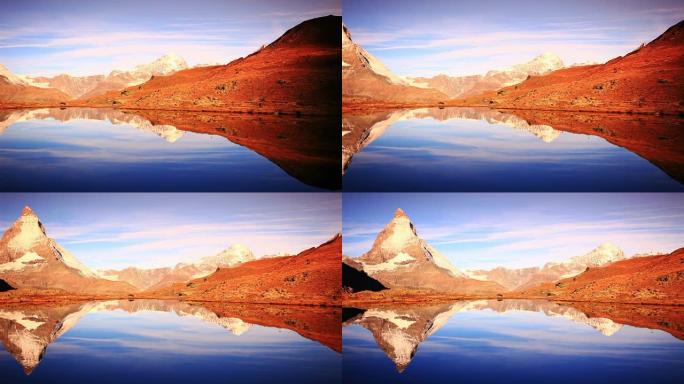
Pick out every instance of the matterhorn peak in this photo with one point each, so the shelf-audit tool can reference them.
(26, 231)
(398, 245)
(398, 234)
(27, 211)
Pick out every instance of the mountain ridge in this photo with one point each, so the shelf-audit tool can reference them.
(400, 259)
(522, 278)
(471, 85)
(647, 80)
(30, 259)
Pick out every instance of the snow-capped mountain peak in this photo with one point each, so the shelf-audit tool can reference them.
(399, 233)
(230, 257)
(27, 241)
(540, 65)
(545, 62)
(27, 231)
(604, 254)
(235, 254)
(162, 66)
(398, 245)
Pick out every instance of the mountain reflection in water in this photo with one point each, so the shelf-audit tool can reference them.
(483, 149)
(98, 140)
(485, 331)
(164, 330)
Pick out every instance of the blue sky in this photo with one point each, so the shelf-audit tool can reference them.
(95, 37)
(156, 230)
(520, 230)
(471, 37)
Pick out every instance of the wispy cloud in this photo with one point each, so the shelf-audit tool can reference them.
(522, 233)
(155, 230)
(470, 38)
(99, 38)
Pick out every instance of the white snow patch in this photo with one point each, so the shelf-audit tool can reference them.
(21, 318)
(27, 259)
(399, 260)
(391, 316)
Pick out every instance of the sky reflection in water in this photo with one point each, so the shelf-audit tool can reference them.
(96, 155)
(423, 154)
(539, 343)
(183, 345)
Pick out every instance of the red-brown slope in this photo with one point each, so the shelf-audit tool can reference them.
(299, 74)
(313, 277)
(306, 147)
(650, 279)
(649, 80)
(18, 95)
(658, 139)
(323, 324)
(669, 318)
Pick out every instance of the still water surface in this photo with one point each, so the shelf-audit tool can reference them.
(467, 149)
(149, 341)
(87, 149)
(513, 341)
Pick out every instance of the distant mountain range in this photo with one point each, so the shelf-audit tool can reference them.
(464, 86)
(297, 74)
(156, 278)
(88, 86)
(522, 278)
(33, 264)
(648, 79)
(657, 278)
(367, 79)
(312, 277)
(399, 260)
